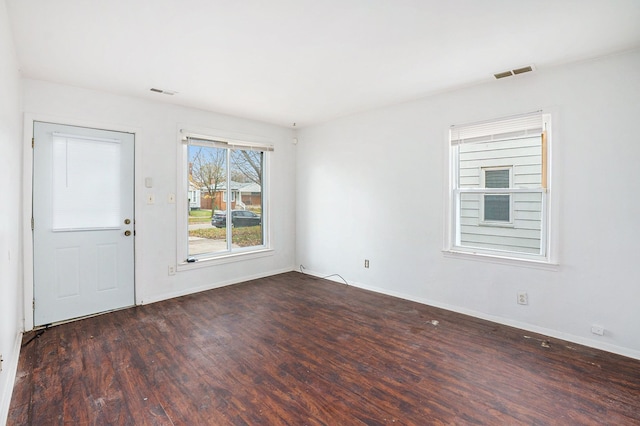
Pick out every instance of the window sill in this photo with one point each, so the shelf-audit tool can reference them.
(497, 224)
(503, 260)
(225, 258)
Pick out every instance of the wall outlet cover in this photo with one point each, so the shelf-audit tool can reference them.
(523, 298)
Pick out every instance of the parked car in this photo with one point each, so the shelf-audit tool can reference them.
(238, 218)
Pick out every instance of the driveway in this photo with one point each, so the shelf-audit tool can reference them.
(198, 245)
(200, 225)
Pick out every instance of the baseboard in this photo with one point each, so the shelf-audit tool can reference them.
(10, 368)
(186, 292)
(540, 330)
(499, 320)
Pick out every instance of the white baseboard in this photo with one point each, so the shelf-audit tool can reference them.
(9, 370)
(499, 320)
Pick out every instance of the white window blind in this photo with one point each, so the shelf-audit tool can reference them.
(85, 183)
(200, 140)
(509, 128)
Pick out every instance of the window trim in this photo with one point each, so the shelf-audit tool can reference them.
(230, 141)
(549, 213)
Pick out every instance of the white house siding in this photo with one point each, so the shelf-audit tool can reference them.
(525, 158)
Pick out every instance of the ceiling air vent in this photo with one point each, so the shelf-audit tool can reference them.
(497, 76)
(522, 70)
(166, 92)
(516, 71)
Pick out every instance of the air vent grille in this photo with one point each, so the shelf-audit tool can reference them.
(522, 70)
(503, 74)
(165, 92)
(513, 72)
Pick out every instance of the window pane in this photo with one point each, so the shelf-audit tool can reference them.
(522, 156)
(523, 235)
(207, 206)
(247, 171)
(496, 178)
(85, 184)
(496, 207)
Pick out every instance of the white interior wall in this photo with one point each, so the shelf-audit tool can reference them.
(10, 219)
(156, 126)
(373, 186)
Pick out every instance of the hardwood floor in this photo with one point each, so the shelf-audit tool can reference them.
(295, 350)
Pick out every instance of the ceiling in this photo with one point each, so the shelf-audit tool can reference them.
(306, 61)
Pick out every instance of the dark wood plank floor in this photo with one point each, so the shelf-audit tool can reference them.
(295, 350)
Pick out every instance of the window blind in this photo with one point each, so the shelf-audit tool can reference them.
(508, 128)
(201, 140)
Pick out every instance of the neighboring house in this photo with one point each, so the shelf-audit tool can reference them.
(249, 195)
(194, 197)
(501, 221)
(243, 196)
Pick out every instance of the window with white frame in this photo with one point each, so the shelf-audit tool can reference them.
(499, 188)
(496, 208)
(224, 196)
(221, 225)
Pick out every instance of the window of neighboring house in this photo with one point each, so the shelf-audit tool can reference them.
(496, 208)
(215, 167)
(499, 188)
(224, 196)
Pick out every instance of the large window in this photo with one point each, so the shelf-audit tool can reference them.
(499, 188)
(227, 197)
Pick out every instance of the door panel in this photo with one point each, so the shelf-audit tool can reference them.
(83, 192)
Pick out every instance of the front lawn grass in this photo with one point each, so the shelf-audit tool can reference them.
(244, 237)
(199, 216)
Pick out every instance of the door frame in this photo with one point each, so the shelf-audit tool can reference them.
(27, 204)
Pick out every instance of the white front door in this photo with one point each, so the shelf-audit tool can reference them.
(83, 223)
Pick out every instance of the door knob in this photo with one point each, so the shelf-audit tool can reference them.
(127, 233)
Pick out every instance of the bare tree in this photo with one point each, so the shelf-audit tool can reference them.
(248, 164)
(208, 170)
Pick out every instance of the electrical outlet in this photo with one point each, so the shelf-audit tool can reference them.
(172, 270)
(523, 298)
(1, 360)
(366, 263)
(596, 329)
